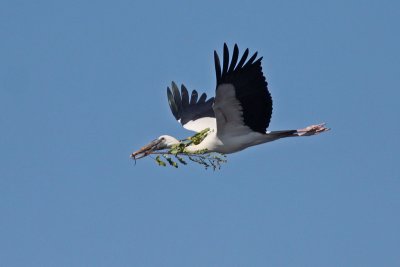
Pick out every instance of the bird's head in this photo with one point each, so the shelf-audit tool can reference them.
(162, 142)
(166, 141)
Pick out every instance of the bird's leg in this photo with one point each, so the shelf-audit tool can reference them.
(312, 130)
(308, 131)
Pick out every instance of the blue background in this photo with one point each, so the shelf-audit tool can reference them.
(83, 84)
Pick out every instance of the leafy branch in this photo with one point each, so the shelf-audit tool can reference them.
(179, 154)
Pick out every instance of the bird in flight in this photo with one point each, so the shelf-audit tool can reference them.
(239, 114)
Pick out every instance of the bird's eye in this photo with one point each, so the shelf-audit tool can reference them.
(163, 139)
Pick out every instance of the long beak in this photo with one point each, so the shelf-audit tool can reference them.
(146, 150)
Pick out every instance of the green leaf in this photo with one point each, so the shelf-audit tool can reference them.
(160, 162)
(199, 137)
(170, 161)
(174, 151)
(181, 160)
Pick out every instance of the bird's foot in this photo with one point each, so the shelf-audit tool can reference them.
(313, 130)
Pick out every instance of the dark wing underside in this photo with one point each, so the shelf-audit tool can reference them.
(189, 109)
(250, 86)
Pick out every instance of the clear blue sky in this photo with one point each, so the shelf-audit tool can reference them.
(83, 84)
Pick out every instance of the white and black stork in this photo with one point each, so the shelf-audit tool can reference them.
(238, 115)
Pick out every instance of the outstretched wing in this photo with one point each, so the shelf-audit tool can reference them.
(195, 114)
(242, 98)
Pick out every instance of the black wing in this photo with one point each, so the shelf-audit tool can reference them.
(189, 109)
(250, 86)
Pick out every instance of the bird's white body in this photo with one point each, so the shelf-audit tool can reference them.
(230, 143)
(228, 133)
(225, 144)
